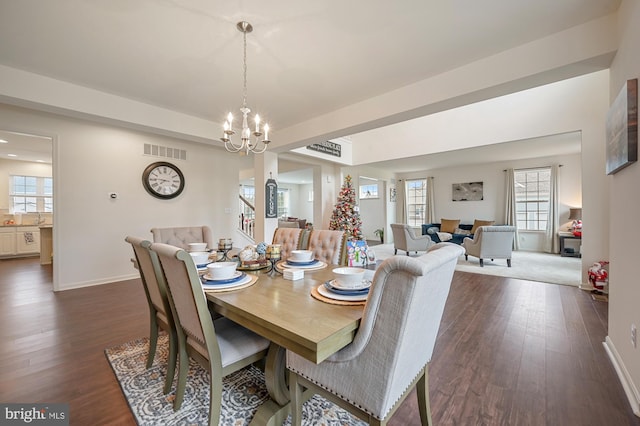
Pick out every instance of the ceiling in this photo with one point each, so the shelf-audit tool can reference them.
(305, 59)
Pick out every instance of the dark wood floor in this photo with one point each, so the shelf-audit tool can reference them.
(509, 352)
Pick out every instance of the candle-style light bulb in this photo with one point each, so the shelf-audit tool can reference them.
(230, 120)
(266, 132)
(226, 126)
(257, 123)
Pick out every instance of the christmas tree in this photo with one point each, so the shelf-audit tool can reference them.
(345, 216)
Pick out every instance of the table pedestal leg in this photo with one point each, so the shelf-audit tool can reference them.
(276, 410)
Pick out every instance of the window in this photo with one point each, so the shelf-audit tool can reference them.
(283, 202)
(31, 194)
(416, 195)
(532, 188)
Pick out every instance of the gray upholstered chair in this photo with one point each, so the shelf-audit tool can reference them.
(160, 316)
(327, 246)
(405, 239)
(288, 238)
(392, 348)
(490, 242)
(220, 346)
(182, 236)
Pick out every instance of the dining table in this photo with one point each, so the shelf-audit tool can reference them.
(286, 313)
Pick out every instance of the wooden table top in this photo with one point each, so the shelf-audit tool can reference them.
(284, 312)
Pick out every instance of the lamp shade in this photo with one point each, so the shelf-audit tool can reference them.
(575, 213)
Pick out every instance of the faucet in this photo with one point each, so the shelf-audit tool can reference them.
(40, 219)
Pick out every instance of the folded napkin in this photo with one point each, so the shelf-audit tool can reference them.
(293, 274)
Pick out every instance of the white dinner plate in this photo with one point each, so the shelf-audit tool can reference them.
(242, 281)
(331, 286)
(331, 295)
(336, 284)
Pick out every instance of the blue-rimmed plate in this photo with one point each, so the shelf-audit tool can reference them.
(238, 276)
(330, 285)
(330, 294)
(301, 262)
(203, 265)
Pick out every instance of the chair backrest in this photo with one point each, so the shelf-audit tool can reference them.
(398, 330)
(182, 236)
(288, 238)
(495, 241)
(399, 231)
(187, 299)
(327, 246)
(151, 275)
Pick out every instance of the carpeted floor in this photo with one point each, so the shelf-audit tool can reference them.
(243, 392)
(532, 266)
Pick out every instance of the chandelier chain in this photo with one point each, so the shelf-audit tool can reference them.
(244, 69)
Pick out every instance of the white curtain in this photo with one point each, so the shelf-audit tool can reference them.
(551, 242)
(431, 202)
(510, 204)
(401, 208)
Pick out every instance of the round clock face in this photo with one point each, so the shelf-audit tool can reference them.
(163, 180)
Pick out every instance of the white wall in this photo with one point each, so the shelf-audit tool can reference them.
(91, 160)
(624, 205)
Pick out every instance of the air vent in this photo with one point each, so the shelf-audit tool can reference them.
(165, 152)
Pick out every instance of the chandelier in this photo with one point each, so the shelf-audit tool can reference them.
(246, 145)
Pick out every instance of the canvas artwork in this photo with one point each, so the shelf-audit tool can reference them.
(470, 191)
(622, 128)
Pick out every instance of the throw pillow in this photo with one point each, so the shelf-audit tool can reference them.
(460, 231)
(477, 223)
(433, 230)
(449, 225)
(444, 236)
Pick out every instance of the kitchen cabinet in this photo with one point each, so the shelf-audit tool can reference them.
(7, 241)
(19, 240)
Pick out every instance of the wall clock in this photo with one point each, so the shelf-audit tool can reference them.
(163, 180)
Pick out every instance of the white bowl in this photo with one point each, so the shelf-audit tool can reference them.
(197, 246)
(301, 255)
(221, 270)
(200, 257)
(349, 277)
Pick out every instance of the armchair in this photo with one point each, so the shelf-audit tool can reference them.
(392, 348)
(405, 239)
(492, 242)
(182, 236)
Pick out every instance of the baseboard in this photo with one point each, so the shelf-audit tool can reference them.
(623, 375)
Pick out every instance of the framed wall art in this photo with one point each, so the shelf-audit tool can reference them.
(470, 191)
(622, 128)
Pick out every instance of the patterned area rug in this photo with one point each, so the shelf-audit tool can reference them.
(243, 392)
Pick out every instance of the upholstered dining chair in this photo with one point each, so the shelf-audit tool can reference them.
(160, 315)
(392, 348)
(182, 236)
(220, 346)
(327, 246)
(405, 239)
(490, 242)
(288, 238)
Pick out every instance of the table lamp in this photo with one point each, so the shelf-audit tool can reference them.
(575, 214)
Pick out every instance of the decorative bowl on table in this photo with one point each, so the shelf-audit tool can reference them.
(301, 255)
(200, 257)
(221, 270)
(348, 277)
(197, 247)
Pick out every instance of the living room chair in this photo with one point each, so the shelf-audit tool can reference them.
(220, 346)
(490, 242)
(405, 239)
(182, 236)
(288, 238)
(160, 315)
(327, 246)
(392, 348)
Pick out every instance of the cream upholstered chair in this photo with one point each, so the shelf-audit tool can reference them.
(327, 246)
(392, 348)
(490, 242)
(182, 236)
(405, 239)
(288, 238)
(160, 316)
(220, 346)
